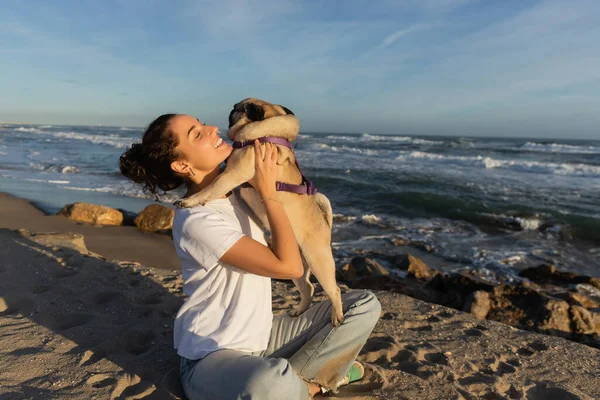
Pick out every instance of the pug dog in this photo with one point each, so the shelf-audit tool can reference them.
(310, 214)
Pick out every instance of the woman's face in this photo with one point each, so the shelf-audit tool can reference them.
(200, 144)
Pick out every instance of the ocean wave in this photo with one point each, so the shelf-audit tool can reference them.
(29, 130)
(529, 223)
(124, 128)
(113, 140)
(340, 137)
(518, 165)
(345, 149)
(367, 137)
(381, 138)
(63, 169)
(3, 153)
(559, 148)
(129, 192)
(304, 136)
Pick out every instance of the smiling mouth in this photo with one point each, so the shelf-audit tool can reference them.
(219, 143)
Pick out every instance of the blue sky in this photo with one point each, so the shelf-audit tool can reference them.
(433, 67)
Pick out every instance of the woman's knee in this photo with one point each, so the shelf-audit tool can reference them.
(272, 379)
(367, 306)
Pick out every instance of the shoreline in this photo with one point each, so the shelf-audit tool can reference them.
(112, 242)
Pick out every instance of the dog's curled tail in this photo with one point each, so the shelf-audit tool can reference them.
(325, 207)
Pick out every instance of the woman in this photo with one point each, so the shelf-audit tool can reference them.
(230, 345)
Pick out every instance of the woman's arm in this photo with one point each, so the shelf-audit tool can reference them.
(284, 261)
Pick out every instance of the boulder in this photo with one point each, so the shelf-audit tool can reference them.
(583, 321)
(418, 269)
(92, 213)
(554, 318)
(478, 303)
(360, 267)
(155, 218)
(546, 273)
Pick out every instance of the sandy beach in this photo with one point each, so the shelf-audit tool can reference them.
(86, 312)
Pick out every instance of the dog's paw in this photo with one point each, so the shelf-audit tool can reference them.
(336, 320)
(186, 203)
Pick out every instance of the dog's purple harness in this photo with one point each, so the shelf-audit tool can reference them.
(306, 187)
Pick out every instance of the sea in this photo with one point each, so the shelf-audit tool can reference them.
(491, 205)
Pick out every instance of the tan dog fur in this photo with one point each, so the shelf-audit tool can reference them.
(310, 215)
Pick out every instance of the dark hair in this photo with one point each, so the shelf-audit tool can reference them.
(149, 163)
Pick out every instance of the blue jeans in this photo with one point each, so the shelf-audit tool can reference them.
(301, 349)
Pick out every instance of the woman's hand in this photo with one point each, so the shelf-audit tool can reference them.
(265, 169)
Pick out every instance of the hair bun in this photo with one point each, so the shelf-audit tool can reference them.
(131, 163)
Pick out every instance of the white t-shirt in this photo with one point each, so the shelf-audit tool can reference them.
(227, 308)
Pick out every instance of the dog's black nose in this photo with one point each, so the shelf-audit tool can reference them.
(254, 112)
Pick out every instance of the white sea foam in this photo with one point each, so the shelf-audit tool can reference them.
(518, 165)
(3, 153)
(30, 130)
(128, 191)
(110, 140)
(345, 149)
(370, 218)
(391, 138)
(560, 148)
(124, 128)
(63, 169)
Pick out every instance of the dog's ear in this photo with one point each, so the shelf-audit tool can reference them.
(231, 117)
(287, 110)
(254, 112)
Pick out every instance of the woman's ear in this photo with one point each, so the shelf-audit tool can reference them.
(180, 167)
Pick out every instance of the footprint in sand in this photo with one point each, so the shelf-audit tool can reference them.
(524, 351)
(152, 298)
(39, 289)
(63, 273)
(389, 315)
(101, 298)
(137, 342)
(379, 350)
(538, 346)
(91, 357)
(543, 391)
(100, 380)
(62, 322)
(445, 314)
(418, 326)
(473, 332)
(131, 387)
(12, 303)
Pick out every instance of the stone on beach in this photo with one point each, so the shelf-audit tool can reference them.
(155, 218)
(92, 213)
(361, 267)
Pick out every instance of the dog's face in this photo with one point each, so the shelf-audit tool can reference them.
(252, 110)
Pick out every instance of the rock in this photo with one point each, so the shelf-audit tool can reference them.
(583, 321)
(461, 284)
(399, 242)
(92, 213)
(546, 273)
(478, 303)
(582, 300)
(418, 269)
(360, 267)
(555, 318)
(155, 218)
